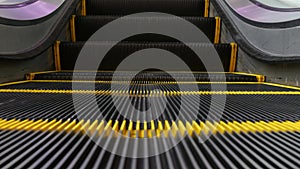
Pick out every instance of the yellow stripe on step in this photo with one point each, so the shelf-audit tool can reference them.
(169, 129)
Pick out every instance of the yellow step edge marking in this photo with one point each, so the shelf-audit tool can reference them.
(167, 128)
(283, 86)
(57, 55)
(130, 82)
(70, 126)
(72, 28)
(181, 128)
(45, 126)
(196, 127)
(107, 128)
(152, 129)
(9, 124)
(191, 128)
(217, 30)
(206, 8)
(234, 49)
(159, 129)
(260, 78)
(100, 127)
(174, 129)
(115, 128)
(158, 94)
(61, 127)
(13, 83)
(53, 126)
(93, 127)
(130, 127)
(31, 76)
(123, 127)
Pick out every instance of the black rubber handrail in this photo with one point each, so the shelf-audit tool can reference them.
(272, 8)
(18, 5)
(69, 7)
(244, 44)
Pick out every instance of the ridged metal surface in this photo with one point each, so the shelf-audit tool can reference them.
(146, 87)
(147, 76)
(60, 106)
(61, 150)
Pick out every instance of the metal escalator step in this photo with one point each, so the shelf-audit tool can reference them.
(86, 26)
(68, 53)
(192, 128)
(147, 76)
(34, 149)
(49, 106)
(125, 7)
(140, 88)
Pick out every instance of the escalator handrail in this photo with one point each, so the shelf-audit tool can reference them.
(263, 5)
(68, 8)
(17, 5)
(261, 17)
(244, 44)
(30, 12)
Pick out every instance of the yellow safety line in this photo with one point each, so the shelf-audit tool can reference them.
(83, 7)
(72, 28)
(283, 86)
(30, 76)
(218, 30)
(122, 82)
(132, 82)
(57, 56)
(260, 78)
(192, 128)
(49, 71)
(13, 83)
(206, 10)
(233, 57)
(70, 71)
(147, 93)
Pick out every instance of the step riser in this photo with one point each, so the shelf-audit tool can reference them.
(87, 26)
(68, 53)
(121, 7)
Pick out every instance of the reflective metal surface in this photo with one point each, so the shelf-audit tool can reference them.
(11, 2)
(32, 11)
(251, 11)
(284, 4)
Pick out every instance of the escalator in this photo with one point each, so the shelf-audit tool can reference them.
(78, 117)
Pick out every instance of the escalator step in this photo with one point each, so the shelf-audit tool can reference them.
(126, 7)
(146, 76)
(145, 88)
(85, 26)
(23, 149)
(59, 105)
(68, 53)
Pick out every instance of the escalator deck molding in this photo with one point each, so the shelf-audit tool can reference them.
(191, 128)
